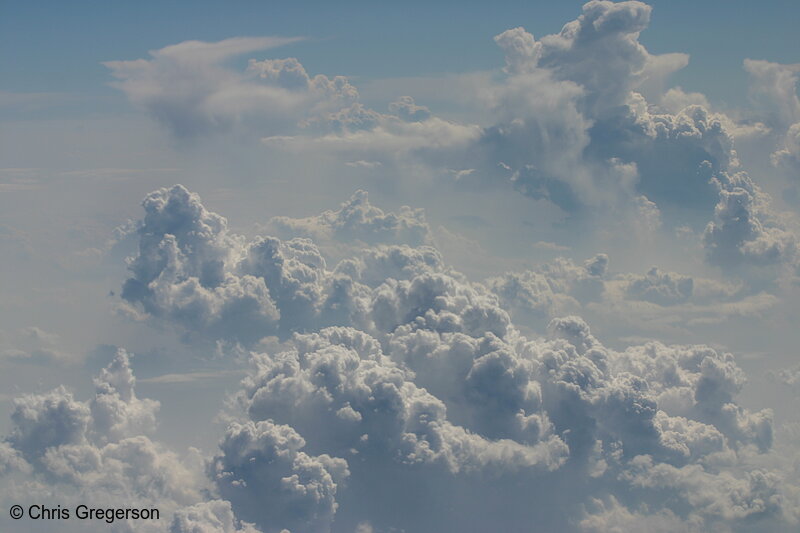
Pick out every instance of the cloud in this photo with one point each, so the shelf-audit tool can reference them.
(789, 377)
(406, 109)
(773, 91)
(36, 346)
(610, 515)
(181, 270)
(663, 288)
(192, 272)
(427, 374)
(398, 381)
(116, 411)
(583, 118)
(214, 516)
(187, 87)
(359, 133)
(744, 230)
(658, 301)
(191, 377)
(787, 157)
(65, 450)
(357, 221)
(557, 289)
(381, 379)
(263, 471)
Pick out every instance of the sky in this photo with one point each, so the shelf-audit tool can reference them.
(371, 267)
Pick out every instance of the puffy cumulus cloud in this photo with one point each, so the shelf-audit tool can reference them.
(700, 391)
(357, 220)
(374, 266)
(11, 459)
(787, 157)
(215, 516)
(773, 90)
(657, 301)
(745, 232)
(699, 142)
(426, 381)
(661, 287)
(479, 416)
(557, 288)
(521, 49)
(192, 272)
(290, 74)
(346, 397)
(408, 110)
(585, 120)
(270, 480)
(187, 87)
(748, 498)
(116, 411)
(64, 450)
(608, 515)
(48, 420)
(789, 377)
(399, 384)
(387, 413)
(774, 94)
(182, 269)
(189, 263)
(599, 50)
(55, 419)
(582, 118)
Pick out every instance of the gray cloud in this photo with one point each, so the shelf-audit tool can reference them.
(67, 451)
(432, 384)
(393, 366)
(387, 391)
(744, 230)
(408, 110)
(357, 220)
(215, 516)
(187, 87)
(773, 91)
(269, 479)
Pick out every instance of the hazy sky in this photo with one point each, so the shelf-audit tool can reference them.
(370, 267)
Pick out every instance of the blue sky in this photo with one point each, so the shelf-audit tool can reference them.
(59, 47)
(367, 267)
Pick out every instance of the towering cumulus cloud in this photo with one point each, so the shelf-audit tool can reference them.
(404, 397)
(99, 452)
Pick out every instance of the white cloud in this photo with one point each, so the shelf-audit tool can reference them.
(214, 516)
(773, 89)
(357, 220)
(744, 230)
(187, 87)
(270, 480)
(425, 381)
(437, 379)
(64, 450)
(382, 379)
